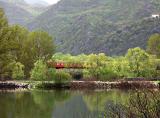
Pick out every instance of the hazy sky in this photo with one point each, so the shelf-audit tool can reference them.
(51, 1)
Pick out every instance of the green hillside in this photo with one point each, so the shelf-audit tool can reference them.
(110, 26)
(19, 12)
(15, 14)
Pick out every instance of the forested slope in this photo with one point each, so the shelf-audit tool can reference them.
(19, 12)
(15, 14)
(92, 26)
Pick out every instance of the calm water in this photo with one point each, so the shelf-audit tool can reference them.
(58, 104)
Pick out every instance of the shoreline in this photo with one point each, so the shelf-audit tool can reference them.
(79, 85)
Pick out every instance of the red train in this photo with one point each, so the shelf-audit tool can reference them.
(62, 65)
(59, 65)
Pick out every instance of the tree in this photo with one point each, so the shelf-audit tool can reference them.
(39, 72)
(154, 45)
(18, 44)
(62, 76)
(20, 36)
(17, 70)
(120, 66)
(6, 46)
(3, 19)
(92, 63)
(138, 61)
(39, 45)
(96, 64)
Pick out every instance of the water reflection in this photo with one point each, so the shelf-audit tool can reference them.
(57, 104)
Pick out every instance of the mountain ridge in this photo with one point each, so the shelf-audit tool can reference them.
(91, 26)
(81, 26)
(37, 2)
(15, 14)
(19, 12)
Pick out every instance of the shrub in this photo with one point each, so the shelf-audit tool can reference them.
(107, 74)
(39, 72)
(142, 104)
(86, 74)
(51, 73)
(62, 77)
(17, 70)
(138, 61)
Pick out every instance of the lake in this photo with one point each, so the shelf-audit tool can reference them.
(58, 104)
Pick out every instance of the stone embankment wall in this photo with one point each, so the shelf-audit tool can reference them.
(13, 85)
(117, 85)
(81, 85)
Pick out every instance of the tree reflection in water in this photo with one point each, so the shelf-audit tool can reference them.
(35, 104)
(80, 104)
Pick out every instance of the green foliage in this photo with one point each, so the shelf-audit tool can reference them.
(39, 72)
(42, 44)
(47, 99)
(39, 45)
(19, 12)
(3, 19)
(15, 12)
(111, 26)
(107, 74)
(136, 63)
(139, 62)
(6, 46)
(154, 45)
(20, 45)
(51, 74)
(62, 77)
(17, 71)
(20, 36)
(120, 66)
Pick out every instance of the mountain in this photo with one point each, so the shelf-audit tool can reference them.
(37, 2)
(93, 26)
(14, 1)
(19, 12)
(130, 36)
(16, 14)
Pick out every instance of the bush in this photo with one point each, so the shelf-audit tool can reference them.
(142, 104)
(39, 72)
(51, 73)
(107, 74)
(62, 77)
(86, 74)
(139, 61)
(17, 70)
